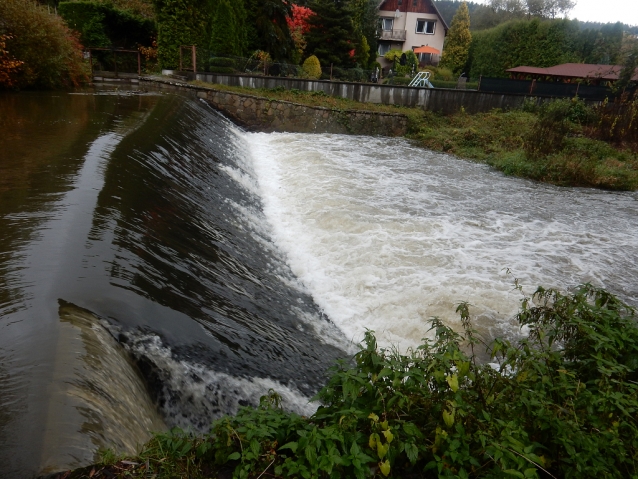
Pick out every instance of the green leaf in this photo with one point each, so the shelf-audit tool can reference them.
(290, 445)
(233, 457)
(412, 452)
(514, 472)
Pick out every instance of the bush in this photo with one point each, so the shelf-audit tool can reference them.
(411, 61)
(222, 70)
(556, 120)
(562, 403)
(50, 53)
(311, 68)
(221, 62)
(102, 25)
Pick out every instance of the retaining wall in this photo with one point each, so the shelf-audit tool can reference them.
(438, 99)
(262, 114)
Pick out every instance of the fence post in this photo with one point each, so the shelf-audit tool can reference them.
(115, 62)
(91, 62)
(478, 88)
(531, 87)
(194, 52)
(139, 63)
(180, 58)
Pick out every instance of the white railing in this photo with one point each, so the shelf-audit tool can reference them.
(422, 79)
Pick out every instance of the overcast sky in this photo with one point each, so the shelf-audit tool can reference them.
(625, 11)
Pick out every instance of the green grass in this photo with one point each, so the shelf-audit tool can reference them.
(496, 138)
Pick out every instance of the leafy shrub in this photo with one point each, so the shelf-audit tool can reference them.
(50, 53)
(222, 62)
(444, 74)
(8, 64)
(561, 403)
(411, 61)
(618, 122)
(222, 70)
(556, 119)
(311, 68)
(102, 25)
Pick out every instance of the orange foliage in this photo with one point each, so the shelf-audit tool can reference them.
(8, 64)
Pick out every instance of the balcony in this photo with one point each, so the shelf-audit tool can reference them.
(393, 35)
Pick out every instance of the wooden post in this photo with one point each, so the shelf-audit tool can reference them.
(180, 58)
(478, 88)
(194, 60)
(531, 87)
(139, 63)
(115, 62)
(331, 72)
(91, 62)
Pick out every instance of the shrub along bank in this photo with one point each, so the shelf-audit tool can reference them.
(562, 403)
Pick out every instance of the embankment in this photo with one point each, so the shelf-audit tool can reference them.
(264, 114)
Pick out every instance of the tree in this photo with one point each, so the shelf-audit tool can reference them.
(299, 27)
(457, 43)
(49, 54)
(365, 22)
(181, 22)
(228, 35)
(267, 23)
(331, 37)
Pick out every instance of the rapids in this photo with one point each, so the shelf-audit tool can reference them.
(159, 266)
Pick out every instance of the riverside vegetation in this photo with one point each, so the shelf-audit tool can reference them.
(563, 142)
(561, 403)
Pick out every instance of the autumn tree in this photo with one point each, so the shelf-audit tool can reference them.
(457, 43)
(298, 26)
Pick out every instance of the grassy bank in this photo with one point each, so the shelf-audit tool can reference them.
(508, 140)
(562, 403)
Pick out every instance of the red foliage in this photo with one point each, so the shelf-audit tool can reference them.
(299, 19)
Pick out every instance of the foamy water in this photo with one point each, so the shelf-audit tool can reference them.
(385, 235)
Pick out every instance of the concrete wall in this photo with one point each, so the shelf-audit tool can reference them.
(262, 114)
(437, 99)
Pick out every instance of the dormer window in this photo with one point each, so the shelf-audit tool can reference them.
(425, 26)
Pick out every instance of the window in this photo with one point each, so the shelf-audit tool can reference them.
(383, 48)
(414, 2)
(386, 23)
(425, 26)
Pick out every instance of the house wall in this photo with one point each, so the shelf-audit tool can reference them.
(409, 13)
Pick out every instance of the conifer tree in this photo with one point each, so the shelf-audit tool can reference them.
(267, 27)
(457, 43)
(331, 37)
(228, 35)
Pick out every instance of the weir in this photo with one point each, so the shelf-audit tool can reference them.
(160, 266)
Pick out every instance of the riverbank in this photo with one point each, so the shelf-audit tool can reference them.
(500, 139)
(439, 409)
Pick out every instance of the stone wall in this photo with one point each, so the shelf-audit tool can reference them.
(438, 99)
(261, 114)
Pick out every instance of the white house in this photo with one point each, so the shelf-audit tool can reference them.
(408, 24)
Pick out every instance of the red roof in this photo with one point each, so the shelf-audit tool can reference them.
(576, 70)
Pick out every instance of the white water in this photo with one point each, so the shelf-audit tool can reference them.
(386, 235)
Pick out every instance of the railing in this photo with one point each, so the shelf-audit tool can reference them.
(396, 35)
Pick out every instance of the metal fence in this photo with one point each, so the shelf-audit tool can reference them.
(551, 89)
(254, 65)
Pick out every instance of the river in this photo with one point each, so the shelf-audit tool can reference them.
(159, 266)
